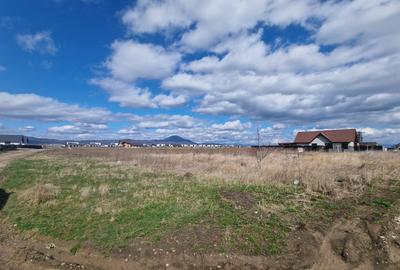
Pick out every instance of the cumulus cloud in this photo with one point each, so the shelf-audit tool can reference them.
(218, 59)
(131, 60)
(41, 42)
(232, 125)
(32, 106)
(207, 22)
(298, 83)
(78, 128)
(127, 95)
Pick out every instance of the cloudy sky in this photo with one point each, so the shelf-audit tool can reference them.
(209, 70)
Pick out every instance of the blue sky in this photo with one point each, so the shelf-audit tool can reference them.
(211, 70)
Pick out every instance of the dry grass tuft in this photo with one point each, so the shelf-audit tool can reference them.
(104, 189)
(85, 192)
(39, 194)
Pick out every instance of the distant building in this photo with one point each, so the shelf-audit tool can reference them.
(129, 144)
(368, 146)
(72, 144)
(94, 144)
(13, 140)
(335, 140)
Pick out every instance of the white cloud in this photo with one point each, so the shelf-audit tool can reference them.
(170, 100)
(232, 125)
(2, 68)
(127, 95)
(32, 106)
(27, 128)
(66, 129)
(39, 42)
(349, 20)
(207, 22)
(389, 135)
(129, 131)
(78, 128)
(220, 61)
(131, 60)
(297, 83)
(165, 120)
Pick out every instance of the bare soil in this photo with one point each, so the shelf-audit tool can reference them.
(362, 238)
(362, 241)
(6, 157)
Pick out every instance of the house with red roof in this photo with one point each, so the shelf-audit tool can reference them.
(337, 140)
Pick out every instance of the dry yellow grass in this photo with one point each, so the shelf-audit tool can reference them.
(337, 174)
(40, 193)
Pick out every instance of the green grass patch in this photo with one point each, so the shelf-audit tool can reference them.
(113, 204)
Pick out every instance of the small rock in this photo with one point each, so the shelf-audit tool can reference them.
(397, 220)
(397, 241)
(166, 265)
(51, 246)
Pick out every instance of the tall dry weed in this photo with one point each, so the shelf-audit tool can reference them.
(337, 174)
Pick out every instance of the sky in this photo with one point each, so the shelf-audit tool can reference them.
(210, 70)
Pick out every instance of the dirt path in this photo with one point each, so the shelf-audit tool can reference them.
(6, 157)
(361, 242)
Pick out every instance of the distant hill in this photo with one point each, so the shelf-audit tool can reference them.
(169, 140)
(34, 140)
(177, 140)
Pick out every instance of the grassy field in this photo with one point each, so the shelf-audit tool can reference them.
(118, 197)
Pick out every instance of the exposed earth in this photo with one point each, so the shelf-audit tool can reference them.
(366, 237)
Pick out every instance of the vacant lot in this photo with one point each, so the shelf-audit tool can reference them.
(180, 208)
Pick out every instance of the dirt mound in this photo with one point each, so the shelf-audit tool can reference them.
(238, 198)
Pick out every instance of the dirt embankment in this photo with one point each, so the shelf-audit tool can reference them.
(364, 238)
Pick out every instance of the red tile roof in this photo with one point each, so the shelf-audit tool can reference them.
(335, 136)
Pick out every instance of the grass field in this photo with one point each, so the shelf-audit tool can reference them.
(119, 197)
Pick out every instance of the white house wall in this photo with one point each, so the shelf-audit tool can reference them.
(320, 141)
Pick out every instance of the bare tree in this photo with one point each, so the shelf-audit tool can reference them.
(261, 152)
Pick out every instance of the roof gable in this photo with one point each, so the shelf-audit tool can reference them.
(334, 136)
